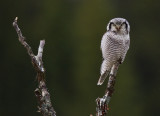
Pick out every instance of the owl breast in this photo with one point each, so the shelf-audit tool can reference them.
(113, 46)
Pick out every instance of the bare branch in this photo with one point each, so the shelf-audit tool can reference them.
(102, 103)
(40, 49)
(42, 94)
(21, 38)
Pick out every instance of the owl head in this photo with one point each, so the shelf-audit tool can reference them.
(118, 25)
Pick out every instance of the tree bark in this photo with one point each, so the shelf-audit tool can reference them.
(41, 92)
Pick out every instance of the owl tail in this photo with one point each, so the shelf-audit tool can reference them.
(103, 77)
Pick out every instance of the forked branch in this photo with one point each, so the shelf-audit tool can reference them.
(41, 92)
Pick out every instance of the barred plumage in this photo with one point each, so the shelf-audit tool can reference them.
(114, 45)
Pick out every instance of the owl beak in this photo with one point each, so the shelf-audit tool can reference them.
(118, 27)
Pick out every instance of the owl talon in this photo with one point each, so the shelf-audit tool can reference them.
(120, 60)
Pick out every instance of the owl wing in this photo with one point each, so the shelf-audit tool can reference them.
(107, 47)
(106, 44)
(127, 44)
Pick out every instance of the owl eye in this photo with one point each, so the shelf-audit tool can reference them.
(125, 23)
(111, 23)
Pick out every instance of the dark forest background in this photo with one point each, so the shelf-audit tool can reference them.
(73, 30)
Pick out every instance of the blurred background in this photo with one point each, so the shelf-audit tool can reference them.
(73, 30)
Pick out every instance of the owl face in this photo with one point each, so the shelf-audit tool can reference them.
(118, 25)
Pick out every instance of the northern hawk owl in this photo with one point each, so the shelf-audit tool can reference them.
(114, 45)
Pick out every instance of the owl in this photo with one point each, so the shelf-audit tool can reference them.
(114, 45)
